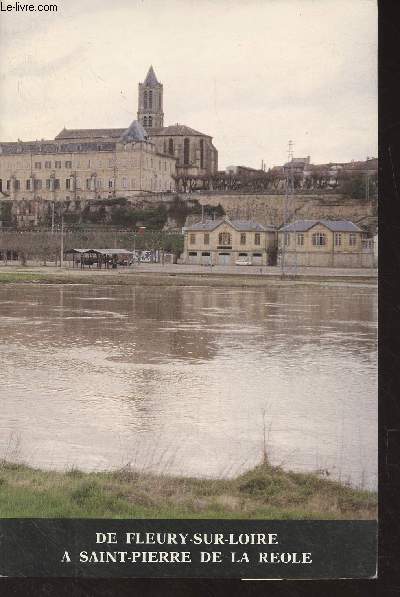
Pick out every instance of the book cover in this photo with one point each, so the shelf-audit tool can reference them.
(188, 290)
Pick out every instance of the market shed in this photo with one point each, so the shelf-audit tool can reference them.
(99, 257)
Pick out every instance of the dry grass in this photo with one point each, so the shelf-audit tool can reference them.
(263, 492)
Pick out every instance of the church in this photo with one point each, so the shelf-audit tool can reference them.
(80, 165)
(194, 152)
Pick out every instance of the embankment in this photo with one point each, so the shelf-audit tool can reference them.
(264, 492)
(180, 276)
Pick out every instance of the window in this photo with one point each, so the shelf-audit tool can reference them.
(88, 181)
(318, 239)
(57, 164)
(78, 183)
(205, 254)
(145, 100)
(37, 185)
(17, 185)
(110, 184)
(201, 153)
(48, 184)
(338, 239)
(124, 183)
(193, 253)
(352, 239)
(300, 239)
(224, 238)
(192, 239)
(38, 165)
(56, 184)
(68, 164)
(150, 121)
(287, 239)
(150, 99)
(171, 147)
(47, 164)
(257, 238)
(206, 238)
(186, 151)
(99, 183)
(68, 183)
(243, 238)
(145, 121)
(28, 184)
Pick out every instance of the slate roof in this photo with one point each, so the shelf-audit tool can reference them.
(177, 129)
(90, 133)
(135, 132)
(333, 225)
(151, 79)
(239, 225)
(44, 147)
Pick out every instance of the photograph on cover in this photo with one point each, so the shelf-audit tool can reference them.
(188, 259)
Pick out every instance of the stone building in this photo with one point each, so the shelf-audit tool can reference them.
(224, 242)
(324, 243)
(194, 151)
(79, 166)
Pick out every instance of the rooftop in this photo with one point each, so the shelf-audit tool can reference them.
(151, 79)
(333, 225)
(177, 129)
(240, 225)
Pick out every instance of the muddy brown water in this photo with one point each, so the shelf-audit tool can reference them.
(180, 379)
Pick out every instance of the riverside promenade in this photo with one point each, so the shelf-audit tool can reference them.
(156, 273)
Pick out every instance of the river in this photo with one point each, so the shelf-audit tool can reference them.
(188, 380)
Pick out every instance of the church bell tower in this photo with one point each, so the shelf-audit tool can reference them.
(150, 109)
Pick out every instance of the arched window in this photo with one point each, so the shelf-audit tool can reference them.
(201, 153)
(171, 147)
(224, 239)
(150, 99)
(150, 121)
(145, 100)
(165, 146)
(186, 149)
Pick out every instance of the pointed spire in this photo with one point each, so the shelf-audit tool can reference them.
(151, 79)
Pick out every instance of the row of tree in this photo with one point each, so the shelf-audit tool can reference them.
(45, 246)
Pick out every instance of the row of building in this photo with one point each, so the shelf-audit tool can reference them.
(87, 164)
(303, 243)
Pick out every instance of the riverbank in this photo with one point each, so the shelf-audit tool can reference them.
(264, 492)
(180, 275)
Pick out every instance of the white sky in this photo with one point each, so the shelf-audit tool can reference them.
(251, 73)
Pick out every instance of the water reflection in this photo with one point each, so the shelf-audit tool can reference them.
(178, 378)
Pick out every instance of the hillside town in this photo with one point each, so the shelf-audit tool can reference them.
(149, 177)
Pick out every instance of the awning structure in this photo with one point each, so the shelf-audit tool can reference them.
(98, 257)
(101, 251)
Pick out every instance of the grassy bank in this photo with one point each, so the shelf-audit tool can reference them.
(263, 492)
(148, 278)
